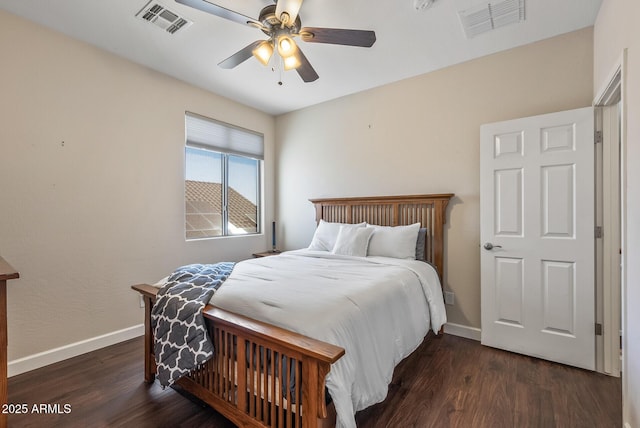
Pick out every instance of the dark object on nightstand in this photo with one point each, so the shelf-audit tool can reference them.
(266, 253)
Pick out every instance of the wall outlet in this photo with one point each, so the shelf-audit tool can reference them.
(141, 301)
(449, 298)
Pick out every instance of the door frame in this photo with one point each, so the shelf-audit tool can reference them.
(612, 302)
(608, 243)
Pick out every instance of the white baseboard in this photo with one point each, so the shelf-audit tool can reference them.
(35, 361)
(626, 425)
(462, 331)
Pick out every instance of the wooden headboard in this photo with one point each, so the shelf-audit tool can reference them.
(428, 210)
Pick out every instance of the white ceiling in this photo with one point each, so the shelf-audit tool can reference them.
(409, 42)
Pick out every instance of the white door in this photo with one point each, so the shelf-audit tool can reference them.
(537, 236)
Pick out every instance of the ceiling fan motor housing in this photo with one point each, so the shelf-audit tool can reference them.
(272, 23)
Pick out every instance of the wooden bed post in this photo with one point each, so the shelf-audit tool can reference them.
(438, 235)
(148, 294)
(6, 273)
(149, 361)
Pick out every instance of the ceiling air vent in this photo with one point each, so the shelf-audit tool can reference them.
(162, 17)
(486, 17)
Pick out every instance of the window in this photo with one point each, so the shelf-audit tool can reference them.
(222, 179)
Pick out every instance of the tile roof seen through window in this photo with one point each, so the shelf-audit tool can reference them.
(203, 205)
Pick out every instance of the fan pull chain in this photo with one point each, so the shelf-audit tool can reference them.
(278, 67)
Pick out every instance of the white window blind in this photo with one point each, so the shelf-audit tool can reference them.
(210, 134)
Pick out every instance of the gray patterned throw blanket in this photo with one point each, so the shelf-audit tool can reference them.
(181, 342)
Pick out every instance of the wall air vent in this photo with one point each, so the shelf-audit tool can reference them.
(486, 17)
(162, 17)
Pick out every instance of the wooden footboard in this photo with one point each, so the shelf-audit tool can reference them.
(260, 375)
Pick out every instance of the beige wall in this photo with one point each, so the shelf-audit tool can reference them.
(421, 135)
(617, 29)
(84, 219)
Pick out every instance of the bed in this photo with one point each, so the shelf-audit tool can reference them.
(270, 371)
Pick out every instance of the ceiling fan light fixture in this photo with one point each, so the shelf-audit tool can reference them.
(263, 52)
(291, 62)
(286, 46)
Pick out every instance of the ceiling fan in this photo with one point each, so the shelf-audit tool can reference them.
(281, 23)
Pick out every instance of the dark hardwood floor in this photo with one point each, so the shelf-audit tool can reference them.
(456, 382)
(450, 382)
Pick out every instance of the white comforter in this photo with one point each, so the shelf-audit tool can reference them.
(378, 309)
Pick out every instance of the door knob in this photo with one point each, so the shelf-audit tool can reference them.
(490, 246)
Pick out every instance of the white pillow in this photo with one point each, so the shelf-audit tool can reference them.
(398, 242)
(353, 241)
(326, 233)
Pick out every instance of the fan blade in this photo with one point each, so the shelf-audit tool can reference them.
(291, 7)
(338, 36)
(239, 57)
(220, 11)
(305, 70)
